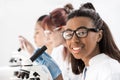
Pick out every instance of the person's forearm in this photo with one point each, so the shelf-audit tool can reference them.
(54, 69)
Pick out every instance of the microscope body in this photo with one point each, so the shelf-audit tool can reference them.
(34, 72)
(27, 69)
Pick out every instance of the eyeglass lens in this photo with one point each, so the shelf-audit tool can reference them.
(79, 32)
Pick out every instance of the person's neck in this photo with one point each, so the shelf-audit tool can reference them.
(94, 53)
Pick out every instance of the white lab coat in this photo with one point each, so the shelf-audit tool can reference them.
(102, 67)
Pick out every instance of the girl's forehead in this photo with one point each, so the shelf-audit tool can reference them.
(79, 21)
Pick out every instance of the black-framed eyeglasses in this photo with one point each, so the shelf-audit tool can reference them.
(79, 32)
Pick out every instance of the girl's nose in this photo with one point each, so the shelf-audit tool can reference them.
(75, 38)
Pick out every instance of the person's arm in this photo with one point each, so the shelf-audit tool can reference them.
(48, 61)
(44, 59)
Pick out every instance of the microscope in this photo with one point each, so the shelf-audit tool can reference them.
(27, 70)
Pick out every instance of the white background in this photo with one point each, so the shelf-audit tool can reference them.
(18, 17)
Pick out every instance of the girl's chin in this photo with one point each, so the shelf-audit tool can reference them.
(76, 57)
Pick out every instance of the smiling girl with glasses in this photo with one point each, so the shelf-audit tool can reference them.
(93, 50)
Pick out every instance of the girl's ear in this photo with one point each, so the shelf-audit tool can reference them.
(99, 36)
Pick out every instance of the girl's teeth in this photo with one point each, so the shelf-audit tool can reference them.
(76, 48)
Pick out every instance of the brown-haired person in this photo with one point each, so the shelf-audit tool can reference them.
(44, 59)
(93, 50)
(56, 22)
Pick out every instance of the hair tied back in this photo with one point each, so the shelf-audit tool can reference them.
(87, 5)
(68, 7)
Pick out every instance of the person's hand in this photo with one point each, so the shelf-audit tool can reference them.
(25, 44)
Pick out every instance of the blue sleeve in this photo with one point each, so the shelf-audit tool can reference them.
(47, 60)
